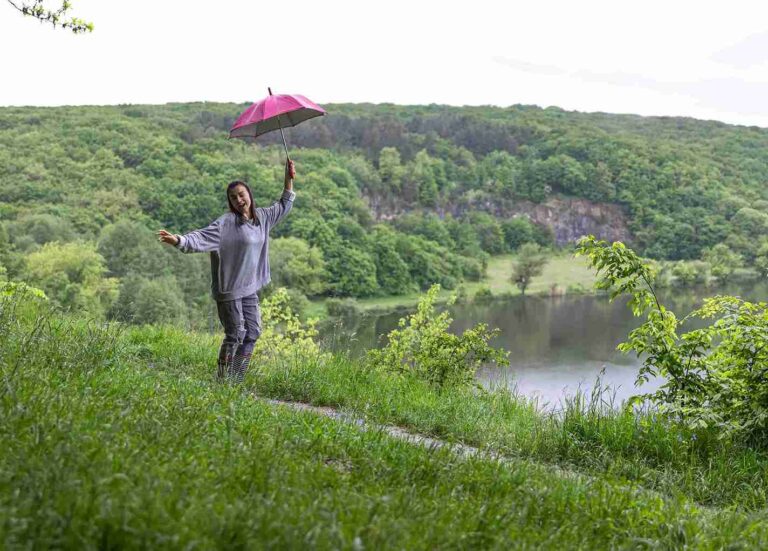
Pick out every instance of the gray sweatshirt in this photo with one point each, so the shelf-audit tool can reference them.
(239, 249)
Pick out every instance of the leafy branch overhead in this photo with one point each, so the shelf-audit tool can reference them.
(56, 17)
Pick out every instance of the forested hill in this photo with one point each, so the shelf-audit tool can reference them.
(391, 198)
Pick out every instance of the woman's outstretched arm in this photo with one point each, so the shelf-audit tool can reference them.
(199, 241)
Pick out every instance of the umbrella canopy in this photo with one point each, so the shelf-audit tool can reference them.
(273, 112)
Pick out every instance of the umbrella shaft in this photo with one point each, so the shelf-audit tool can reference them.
(283, 136)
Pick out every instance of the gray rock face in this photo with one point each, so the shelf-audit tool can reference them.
(571, 218)
(568, 218)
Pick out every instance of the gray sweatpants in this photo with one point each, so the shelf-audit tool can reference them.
(241, 319)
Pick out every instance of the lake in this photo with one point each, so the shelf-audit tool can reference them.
(557, 344)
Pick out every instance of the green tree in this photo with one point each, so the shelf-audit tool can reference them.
(428, 263)
(149, 301)
(391, 170)
(296, 265)
(72, 275)
(352, 271)
(761, 261)
(489, 232)
(498, 172)
(723, 261)
(428, 225)
(690, 272)
(391, 270)
(130, 247)
(11, 260)
(530, 263)
(43, 228)
(518, 231)
(421, 175)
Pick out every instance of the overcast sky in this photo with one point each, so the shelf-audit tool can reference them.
(707, 60)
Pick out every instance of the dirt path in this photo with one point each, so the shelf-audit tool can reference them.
(463, 450)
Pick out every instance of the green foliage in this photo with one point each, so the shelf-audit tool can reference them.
(723, 261)
(714, 377)
(489, 232)
(41, 228)
(693, 272)
(21, 290)
(483, 294)
(352, 270)
(284, 334)
(423, 347)
(392, 272)
(131, 248)
(391, 171)
(296, 265)
(154, 301)
(428, 263)
(529, 263)
(761, 260)
(38, 10)
(72, 275)
(113, 174)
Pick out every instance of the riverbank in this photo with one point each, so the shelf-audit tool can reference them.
(124, 433)
(563, 274)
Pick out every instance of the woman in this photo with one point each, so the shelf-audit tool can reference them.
(239, 245)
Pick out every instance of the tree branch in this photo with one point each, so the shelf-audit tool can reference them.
(38, 11)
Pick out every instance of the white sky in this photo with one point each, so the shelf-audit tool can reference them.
(702, 59)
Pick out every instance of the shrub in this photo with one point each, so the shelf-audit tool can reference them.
(283, 332)
(714, 377)
(342, 308)
(423, 347)
(483, 294)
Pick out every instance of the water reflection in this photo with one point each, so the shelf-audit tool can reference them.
(556, 344)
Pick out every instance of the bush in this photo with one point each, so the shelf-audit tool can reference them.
(714, 377)
(483, 294)
(342, 308)
(283, 332)
(423, 347)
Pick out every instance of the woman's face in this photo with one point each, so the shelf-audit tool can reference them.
(238, 196)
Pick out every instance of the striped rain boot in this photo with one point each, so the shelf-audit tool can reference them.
(225, 367)
(240, 367)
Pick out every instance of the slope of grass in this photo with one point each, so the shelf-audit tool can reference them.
(123, 440)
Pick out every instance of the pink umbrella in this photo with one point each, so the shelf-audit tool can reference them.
(274, 112)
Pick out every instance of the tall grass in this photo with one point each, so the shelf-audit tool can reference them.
(120, 439)
(635, 447)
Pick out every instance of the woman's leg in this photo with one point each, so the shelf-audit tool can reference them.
(231, 317)
(252, 324)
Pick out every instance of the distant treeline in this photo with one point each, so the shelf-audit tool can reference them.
(83, 188)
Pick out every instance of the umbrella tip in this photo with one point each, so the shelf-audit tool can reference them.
(270, 90)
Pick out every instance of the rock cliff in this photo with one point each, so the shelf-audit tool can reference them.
(569, 218)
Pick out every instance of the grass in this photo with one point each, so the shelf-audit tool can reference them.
(563, 271)
(120, 439)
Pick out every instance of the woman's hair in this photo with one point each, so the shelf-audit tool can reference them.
(250, 195)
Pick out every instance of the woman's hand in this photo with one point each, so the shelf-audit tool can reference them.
(290, 174)
(168, 238)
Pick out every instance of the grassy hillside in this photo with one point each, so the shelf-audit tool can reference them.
(119, 438)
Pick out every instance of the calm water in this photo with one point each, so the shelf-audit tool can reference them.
(556, 344)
